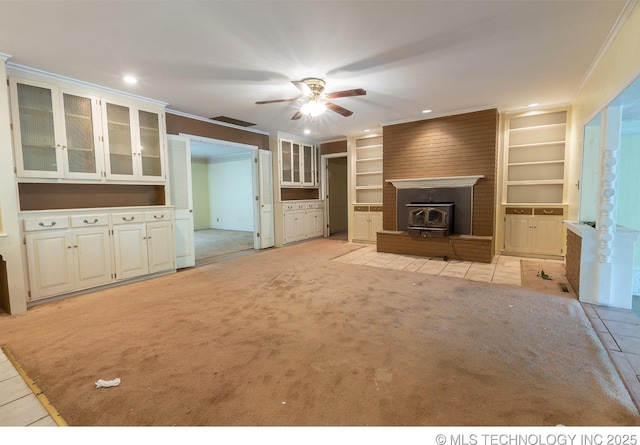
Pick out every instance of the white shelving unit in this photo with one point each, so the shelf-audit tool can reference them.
(368, 170)
(534, 183)
(535, 160)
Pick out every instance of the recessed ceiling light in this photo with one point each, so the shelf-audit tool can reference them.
(535, 104)
(307, 131)
(426, 111)
(366, 130)
(130, 80)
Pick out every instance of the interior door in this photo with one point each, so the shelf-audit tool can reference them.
(182, 199)
(265, 193)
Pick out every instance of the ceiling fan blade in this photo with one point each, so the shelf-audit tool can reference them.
(275, 101)
(338, 109)
(296, 116)
(346, 93)
(302, 86)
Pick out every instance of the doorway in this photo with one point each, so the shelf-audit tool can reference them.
(224, 212)
(335, 187)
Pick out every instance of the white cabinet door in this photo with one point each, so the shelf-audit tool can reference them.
(308, 167)
(361, 226)
(318, 221)
(294, 225)
(50, 260)
(37, 132)
(121, 155)
(150, 140)
(82, 148)
(547, 235)
(130, 250)
(92, 256)
(517, 236)
(376, 224)
(161, 254)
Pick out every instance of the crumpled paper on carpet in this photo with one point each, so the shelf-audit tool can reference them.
(107, 383)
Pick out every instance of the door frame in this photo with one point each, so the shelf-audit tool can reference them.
(324, 183)
(254, 149)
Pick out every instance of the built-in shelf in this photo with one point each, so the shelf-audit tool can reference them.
(535, 167)
(368, 170)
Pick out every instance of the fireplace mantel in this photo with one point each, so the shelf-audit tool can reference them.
(426, 183)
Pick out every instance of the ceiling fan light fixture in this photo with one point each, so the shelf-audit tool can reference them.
(313, 108)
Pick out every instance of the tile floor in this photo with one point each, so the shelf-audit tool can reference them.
(618, 329)
(19, 406)
(503, 269)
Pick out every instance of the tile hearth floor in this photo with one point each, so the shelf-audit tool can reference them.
(618, 329)
(503, 269)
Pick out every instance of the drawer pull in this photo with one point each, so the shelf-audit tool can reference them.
(547, 212)
(53, 223)
(158, 217)
(124, 218)
(518, 211)
(95, 220)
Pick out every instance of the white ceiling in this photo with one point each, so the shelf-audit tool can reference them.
(211, 58)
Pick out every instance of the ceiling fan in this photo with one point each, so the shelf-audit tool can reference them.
(315, 100)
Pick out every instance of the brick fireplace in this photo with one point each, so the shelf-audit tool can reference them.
(442, 152)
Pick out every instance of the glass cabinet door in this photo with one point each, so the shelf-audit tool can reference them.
(150, 149)
(80, 135)
(286, 155)
(37, 147)
(295, 163)
(119, 141)
(308, 165)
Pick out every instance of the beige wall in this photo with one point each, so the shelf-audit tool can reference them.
(617, 68)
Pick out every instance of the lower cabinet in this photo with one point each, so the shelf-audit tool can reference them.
(143, 243)
(537, 231)
(64, 257)
(71, 252)
(367, 221)
(302, 220)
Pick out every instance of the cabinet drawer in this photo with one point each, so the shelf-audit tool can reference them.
(519, 211)
(375, 208)
(548, 211)
(89, 220)
(127, 218)
(46, 223)
(158, 215)
(360, 208)
(319, 204)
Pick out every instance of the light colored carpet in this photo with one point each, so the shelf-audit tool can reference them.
(214, 242)
(289, 337)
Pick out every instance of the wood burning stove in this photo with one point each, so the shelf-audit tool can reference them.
(430, 219)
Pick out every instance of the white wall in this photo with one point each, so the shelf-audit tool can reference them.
(617, 68)
(231, 194)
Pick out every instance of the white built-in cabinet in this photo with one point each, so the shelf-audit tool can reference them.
(537, 231)
(534, 185)
(143, 243)
(367, 222)
(298, 163)
(302, 220)
(76, 250)
(66, 133)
